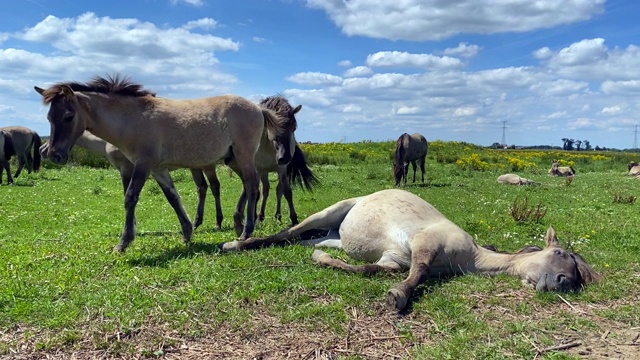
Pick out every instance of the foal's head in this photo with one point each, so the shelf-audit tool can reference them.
(554, 268)
(69, 109)
(282, 137)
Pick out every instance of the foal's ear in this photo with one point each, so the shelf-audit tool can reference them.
(67, 92)
(551, 237)
(39, 90)
(295, 111)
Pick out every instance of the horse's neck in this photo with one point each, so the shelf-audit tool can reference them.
(491, 263)
(92, 143)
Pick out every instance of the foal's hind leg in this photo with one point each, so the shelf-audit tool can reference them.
(385, 263)
(131, 196)
(264, 180)
(201, 188)
(166, 184)
(214, 183)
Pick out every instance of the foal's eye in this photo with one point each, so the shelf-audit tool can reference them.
(68, 118)
(557, 252)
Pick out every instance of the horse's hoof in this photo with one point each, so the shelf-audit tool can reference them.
(230, 246)
(396, 299)
(119, 249)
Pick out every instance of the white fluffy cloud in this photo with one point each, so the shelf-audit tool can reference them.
(464, 50)
(404, 59)
(315, 79)
(420, 20)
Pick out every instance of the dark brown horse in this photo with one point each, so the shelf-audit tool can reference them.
(18, 141)
(409, 149)
(158, 134)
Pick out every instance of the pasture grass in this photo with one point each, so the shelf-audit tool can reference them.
(63, 290)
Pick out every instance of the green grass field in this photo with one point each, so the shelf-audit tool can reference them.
(64, 293)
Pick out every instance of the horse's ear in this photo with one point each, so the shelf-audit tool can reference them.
(295, 111)
(39, 90)
(67, 92)
(551, 237)
(587, 274)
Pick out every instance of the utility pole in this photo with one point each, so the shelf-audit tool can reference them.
(504, 130)
(635, 138)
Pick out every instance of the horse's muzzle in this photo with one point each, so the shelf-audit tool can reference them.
(59, 158)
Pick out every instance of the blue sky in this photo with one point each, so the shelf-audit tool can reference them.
(362, 69)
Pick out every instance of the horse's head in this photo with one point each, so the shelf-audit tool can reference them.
(631, 165)
(554, 268)
(282, 134)
(67, 118)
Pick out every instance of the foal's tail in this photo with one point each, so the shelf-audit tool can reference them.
(299, 173)
(37, 142)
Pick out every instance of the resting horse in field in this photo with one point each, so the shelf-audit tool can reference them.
(634, 169)
(158, 134)
(409, 149)
(513, 179)
(397, 230)
(18, 141)
(557, 170)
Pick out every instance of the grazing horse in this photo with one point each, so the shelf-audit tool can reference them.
(513, 179)
(634, 169)
(18, 140)
(397, 230)
(409, 148)
(159, 134)
(557, 170)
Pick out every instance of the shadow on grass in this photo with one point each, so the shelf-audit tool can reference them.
(177, 252)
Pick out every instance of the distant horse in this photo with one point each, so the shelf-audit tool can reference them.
(513, 179)
(396, 230)
(18, 141)
(159, 134)
(634, 169)
(557, 170)
(409, 148)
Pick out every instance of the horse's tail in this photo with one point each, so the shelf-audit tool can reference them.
(398, 163)
(572, 169)
(299, 173)
(37, 142)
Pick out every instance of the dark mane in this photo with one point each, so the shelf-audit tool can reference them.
(111, 85)
(284, 113)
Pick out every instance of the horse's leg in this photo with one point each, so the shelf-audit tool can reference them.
(284, 188)
(405, 172)
(327, 219)
(264, 179)
(385, 263)
(251, 188)
(214, 183)
(168, 188)
(238, 216)
(29, 162)
(131, 196)
(413, 165)
(7, 168)
(21, 161)
(422, 163)
(398, 296)
(201, 188)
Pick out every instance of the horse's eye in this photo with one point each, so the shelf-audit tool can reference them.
(557, 252)
(68, 118)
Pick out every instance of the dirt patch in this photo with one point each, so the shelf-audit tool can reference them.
(376, 334)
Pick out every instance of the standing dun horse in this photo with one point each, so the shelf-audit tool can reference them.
(18, 141)
(409, 149)
(296, 170)
(159, 134)
(397, 230)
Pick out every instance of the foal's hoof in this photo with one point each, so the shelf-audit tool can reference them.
(396, 299)
(230, 246)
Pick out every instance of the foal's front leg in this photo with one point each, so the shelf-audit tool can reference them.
(399, 295)
(131, 196)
